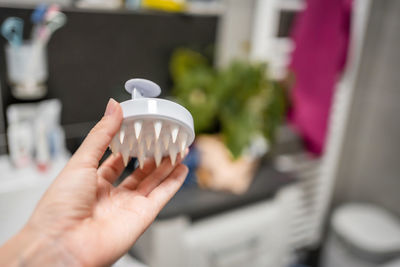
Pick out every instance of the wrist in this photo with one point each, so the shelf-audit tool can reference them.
(33, 248)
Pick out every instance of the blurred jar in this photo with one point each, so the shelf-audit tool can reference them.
(27, 70)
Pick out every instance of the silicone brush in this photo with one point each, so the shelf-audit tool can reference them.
(152, 127)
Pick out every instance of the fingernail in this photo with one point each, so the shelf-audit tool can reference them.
(110, 107)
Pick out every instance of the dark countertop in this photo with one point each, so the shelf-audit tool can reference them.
(198, 203)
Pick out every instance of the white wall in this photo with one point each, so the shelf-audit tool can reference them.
(234, 31)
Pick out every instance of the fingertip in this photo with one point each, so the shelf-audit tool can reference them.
(111, 107)
(118, 109)
(183, 168)
(118, 157)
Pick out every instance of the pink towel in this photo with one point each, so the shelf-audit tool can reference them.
(321, 35)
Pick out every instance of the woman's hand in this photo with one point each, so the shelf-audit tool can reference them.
(83, 219)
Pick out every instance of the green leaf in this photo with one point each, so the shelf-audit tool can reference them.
(239, 100)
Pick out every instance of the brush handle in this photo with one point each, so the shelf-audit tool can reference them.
(139, 88)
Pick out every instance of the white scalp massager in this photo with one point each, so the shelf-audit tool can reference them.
(152, 127)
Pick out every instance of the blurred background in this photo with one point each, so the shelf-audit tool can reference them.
(295, 106)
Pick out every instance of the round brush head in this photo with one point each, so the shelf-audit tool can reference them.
(152, 127)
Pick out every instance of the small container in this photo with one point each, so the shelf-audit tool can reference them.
(27, 70)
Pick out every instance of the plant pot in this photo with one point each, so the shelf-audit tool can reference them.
(218, 170)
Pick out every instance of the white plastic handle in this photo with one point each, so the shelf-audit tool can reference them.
(142, 88)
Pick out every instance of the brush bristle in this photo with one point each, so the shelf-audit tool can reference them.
(150, 138)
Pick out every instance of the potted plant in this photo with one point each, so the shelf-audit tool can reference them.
(237, 107)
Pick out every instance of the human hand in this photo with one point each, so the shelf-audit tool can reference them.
(83, 219)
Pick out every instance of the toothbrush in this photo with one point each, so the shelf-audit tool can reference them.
(12, 30)
(152, 127)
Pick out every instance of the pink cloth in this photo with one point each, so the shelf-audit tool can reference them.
(321, 35)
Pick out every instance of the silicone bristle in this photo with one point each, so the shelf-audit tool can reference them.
(148, 141)
(183, 142)
(125, 157)
(141, 155)
(122, 134)
(130, 142)
(114, 146)
(172, 154)
(174, 133)
(157, 154)
(138, 128)
(157, 129)
(165, 140)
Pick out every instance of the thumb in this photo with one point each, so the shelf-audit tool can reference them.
(98, 139)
